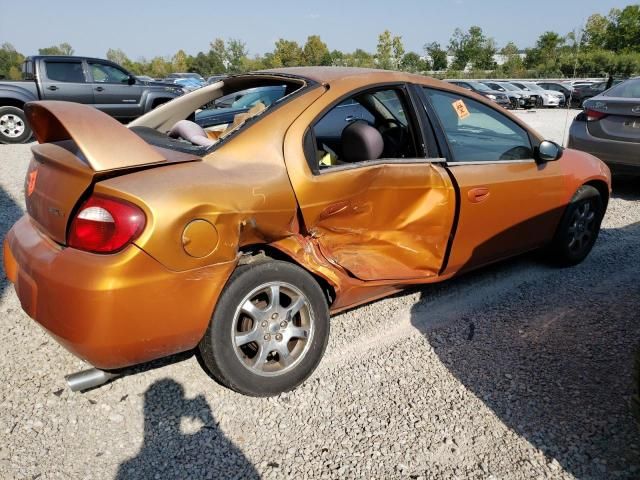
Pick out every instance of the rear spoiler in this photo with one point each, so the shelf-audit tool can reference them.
(105, 143)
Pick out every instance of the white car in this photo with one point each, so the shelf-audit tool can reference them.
(550, 98)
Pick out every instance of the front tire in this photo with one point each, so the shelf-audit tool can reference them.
(269, 329)
(14, 127)
(579, 227)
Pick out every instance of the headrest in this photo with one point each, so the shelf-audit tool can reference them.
(192, 132)
(360, 141)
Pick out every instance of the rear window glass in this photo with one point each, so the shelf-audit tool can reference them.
(628, 89)
(65, 71)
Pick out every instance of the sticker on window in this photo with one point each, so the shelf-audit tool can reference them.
(461, 109)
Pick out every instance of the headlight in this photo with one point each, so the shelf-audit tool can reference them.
(492, 97)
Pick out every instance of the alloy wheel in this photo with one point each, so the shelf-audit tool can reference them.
(272, 328)
(11, 125)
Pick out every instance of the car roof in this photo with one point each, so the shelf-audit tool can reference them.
(330, 74)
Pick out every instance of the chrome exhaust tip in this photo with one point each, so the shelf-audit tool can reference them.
(87, 379)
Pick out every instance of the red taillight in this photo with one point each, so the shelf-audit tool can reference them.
(105, 225)
(593, 115)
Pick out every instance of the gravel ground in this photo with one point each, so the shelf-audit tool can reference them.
(519, 371)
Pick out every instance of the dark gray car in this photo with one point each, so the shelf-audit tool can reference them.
(609, 127)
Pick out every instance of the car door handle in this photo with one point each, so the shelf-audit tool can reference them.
(99, 89)
(52, 87)
(479, 194)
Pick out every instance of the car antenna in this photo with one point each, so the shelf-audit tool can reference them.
(578, 41)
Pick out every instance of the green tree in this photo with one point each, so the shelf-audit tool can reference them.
(159, 67)
(545, 52)
(62, 49)
(236, 56)
(390, 51)
(10, 62)
(287, 53)
(472, 48)
(623, 31)
(384, 51)
(411, 62)
(513, 64)
(179, 61)
(315, 52)
(595, 31)
(118, 56)
(437, 55)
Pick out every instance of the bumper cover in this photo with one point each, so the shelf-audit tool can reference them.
(619, 155)
(114, 310)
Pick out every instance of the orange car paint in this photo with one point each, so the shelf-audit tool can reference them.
(367, 232)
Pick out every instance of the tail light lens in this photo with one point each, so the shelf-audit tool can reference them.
(593, 115)
(105, 225)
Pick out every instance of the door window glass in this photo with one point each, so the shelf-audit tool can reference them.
(476, 132)
(368, 126)
(103, 73)
(65, 72)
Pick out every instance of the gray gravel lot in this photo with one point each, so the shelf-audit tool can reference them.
(519, 371)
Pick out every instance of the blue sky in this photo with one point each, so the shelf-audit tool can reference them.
(144, 28)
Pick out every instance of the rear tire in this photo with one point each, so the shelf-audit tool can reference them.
(579, 227)
(14, 127)
(269, 329)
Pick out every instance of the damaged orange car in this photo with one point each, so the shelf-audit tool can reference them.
(240, 236)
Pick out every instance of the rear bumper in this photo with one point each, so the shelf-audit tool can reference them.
(612, 152)
(110, 310)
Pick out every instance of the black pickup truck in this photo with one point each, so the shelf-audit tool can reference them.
(101, 83)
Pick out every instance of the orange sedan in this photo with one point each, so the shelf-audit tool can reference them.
(240, 235)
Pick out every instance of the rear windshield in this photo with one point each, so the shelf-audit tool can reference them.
(628, 89)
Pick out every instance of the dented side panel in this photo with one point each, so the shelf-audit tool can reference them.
(381, 222)
(378, 220)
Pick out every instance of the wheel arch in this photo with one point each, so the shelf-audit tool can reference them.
(602, 188)
(12, 102)
(262, 252)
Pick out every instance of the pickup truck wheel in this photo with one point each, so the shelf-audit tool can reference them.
(13, 126)
(579, 227)
(269, 329)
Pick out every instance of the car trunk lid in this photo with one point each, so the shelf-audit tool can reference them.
(621, 120)
(78, 146)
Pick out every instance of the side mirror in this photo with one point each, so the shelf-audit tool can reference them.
(131, 80)
(548, 151)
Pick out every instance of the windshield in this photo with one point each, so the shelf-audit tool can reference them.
(628, 89)
(533, 86)
(267, 96)
(480, 86)
(509, 87)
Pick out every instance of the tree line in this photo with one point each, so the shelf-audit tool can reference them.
(606, 45)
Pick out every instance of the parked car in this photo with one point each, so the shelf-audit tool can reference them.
(223, 110)
(144, 78)
(177, 75)
(549, 98)
(481, 89)
(242, 246)
(566, 89)
(188, 84)
(215, 78)
(100, 83)
(585, 92)
(609, 127)
(516, 98)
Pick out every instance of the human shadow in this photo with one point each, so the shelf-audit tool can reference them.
(167, 452)
(10, 212)
(550, 351)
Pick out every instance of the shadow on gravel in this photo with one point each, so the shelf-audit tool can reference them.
(167, 452)
(552, 356)
(10, 212)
